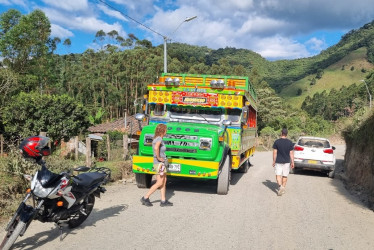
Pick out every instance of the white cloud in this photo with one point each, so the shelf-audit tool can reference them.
(268, 27)
(316, 44)
(58, 31)
(112, 13)
(21, 3)
(260, 26)
(69, 5)
(136, 9)
(5, 2)
(89, 24)
(278, 47)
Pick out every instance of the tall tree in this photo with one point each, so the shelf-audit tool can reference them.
(24, 39)
(60, 116)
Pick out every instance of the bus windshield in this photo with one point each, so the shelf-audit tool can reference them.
(196, 113)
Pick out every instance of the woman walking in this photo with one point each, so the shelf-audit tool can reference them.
(159, 159)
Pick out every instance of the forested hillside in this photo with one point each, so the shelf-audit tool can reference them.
(104, 83)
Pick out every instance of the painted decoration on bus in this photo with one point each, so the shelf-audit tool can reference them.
(234, 137)
(194, 98)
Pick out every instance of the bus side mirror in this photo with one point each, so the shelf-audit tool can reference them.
(226, 123)
(140, 118)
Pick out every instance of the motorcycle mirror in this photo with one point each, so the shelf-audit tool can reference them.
(27, 177)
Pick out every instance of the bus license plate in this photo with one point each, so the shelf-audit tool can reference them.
(174, 167)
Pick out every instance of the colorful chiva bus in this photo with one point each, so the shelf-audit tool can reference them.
(211, 127)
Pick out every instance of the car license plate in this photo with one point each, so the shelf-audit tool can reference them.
(174, 167)
(312, 162)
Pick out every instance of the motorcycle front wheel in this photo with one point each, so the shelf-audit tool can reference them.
(12, 234)
(82, 215)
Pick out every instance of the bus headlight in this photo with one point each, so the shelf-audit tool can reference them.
(205, 144)
(148, 140)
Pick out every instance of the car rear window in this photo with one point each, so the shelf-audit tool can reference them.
(313, 143)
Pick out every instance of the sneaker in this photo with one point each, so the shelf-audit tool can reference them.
(146, 202)
(279, 192)
(166, 203)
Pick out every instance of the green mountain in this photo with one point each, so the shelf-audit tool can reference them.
(343, 64)
(349, 70)
(286, 72)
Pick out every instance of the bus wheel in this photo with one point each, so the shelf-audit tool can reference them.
(244, 167)
(143, 180)
(224, 178)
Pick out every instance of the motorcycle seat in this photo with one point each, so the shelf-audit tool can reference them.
(89, 179)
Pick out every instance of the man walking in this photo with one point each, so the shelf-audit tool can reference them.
(282, 159)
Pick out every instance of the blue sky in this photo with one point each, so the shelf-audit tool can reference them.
(276, 29)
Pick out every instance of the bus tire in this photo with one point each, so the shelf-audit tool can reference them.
(223, 182)
(143, 180)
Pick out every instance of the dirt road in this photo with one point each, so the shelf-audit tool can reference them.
(315, 213)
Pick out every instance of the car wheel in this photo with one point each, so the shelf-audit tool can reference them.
(331, 174)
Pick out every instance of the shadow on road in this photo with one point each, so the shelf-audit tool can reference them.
(311, 173)
(271, 185)
(235, 177)
(203, 186)
(42, 238)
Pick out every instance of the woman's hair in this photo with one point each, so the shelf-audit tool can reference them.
(160, 130)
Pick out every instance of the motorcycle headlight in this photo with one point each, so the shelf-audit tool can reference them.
(38, 189)
(41, 192)
(205, 144)
(148, 138)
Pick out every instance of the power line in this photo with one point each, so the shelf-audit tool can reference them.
(145, 26)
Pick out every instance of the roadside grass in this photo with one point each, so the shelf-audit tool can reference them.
(335, 76)
(13, 185)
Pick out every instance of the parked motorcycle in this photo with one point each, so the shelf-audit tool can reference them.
(61, 198)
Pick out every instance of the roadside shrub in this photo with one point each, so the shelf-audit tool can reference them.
(16, 165)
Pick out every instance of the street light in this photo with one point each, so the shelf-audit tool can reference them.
(165, 41)
(368, 93)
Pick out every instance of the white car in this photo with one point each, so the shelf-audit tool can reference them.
(314, 153)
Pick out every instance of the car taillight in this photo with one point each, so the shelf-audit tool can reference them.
(298, 148)
(328, 151)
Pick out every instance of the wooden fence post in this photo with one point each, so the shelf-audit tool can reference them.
(1, 145)
(76, 143)
(125, 146)
(108, 146)
(88, 151)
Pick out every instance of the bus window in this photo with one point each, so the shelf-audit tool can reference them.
(159, 109)
(252, 118)
(245, 115)
(233, 115)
